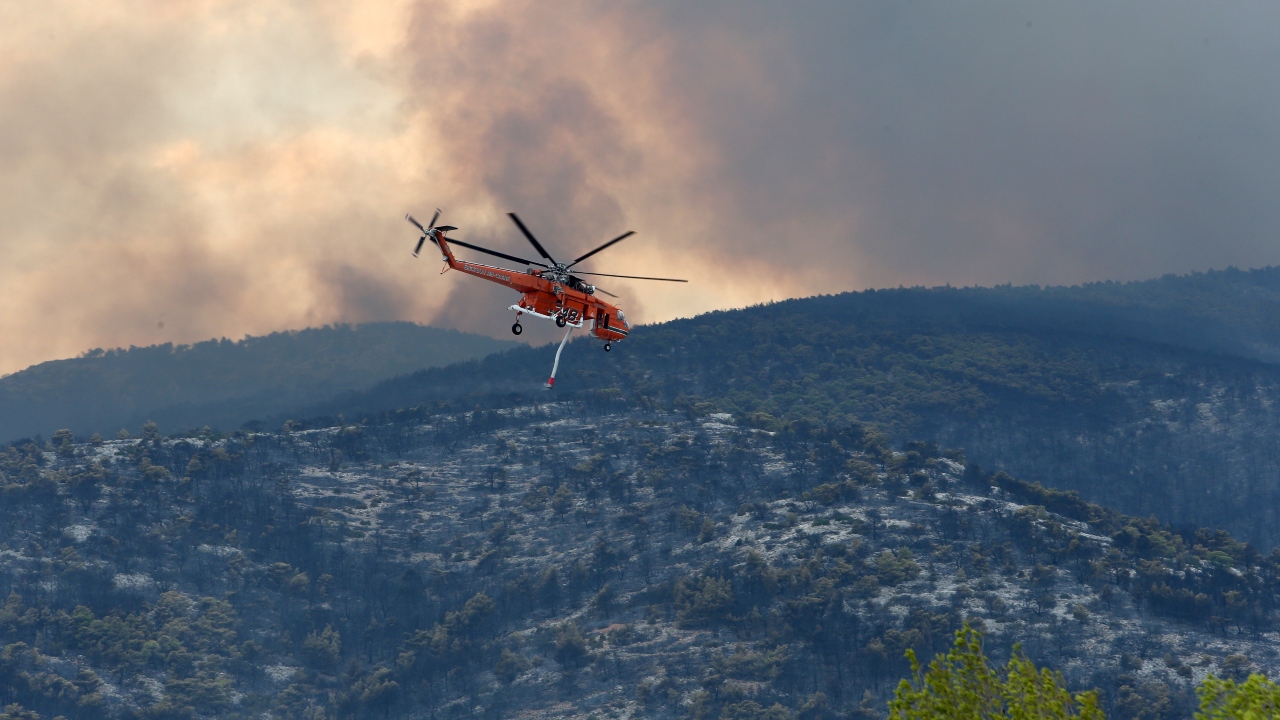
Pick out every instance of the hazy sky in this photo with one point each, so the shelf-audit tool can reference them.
(172, 171)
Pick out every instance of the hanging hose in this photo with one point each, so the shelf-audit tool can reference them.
(554, 366)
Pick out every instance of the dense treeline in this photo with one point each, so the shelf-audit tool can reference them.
(220, 383)
(1190, 575)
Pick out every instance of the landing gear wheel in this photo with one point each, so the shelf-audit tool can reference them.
(560, 321)
(608, 347)
(516, 329)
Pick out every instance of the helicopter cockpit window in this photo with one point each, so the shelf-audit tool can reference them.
(623, 318)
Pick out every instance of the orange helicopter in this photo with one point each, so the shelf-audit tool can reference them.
(550, 293)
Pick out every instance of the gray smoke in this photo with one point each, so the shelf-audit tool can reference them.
(178, 172)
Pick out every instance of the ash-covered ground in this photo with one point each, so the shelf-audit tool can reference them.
(563, 561)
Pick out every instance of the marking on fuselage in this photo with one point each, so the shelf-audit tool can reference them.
(485, 272)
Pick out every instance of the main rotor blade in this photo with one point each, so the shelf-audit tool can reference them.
(495, 253)
(634, 277)
(606, 292)
(416, 223)
(528, 235)
(618, 239)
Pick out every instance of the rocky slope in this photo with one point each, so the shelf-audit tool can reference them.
(581, 561)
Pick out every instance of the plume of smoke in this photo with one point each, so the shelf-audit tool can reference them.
(171, 171)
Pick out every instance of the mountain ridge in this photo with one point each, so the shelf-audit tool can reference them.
(219, 382)
(1155, 397)
(1104, 309)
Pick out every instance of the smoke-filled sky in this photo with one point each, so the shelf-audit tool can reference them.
(176, 170)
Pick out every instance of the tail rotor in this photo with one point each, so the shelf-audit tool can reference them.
(429, 231)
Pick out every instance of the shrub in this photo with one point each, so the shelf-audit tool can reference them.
(1255, 699)
(963, 684)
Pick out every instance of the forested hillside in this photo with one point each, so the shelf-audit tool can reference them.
(220, 383)
(582, 560)
(1155, 397)
(749, 514)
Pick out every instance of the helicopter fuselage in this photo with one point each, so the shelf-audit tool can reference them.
(548, 294)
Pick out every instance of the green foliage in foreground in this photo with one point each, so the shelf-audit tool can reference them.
(963, 684)
(1255, 699)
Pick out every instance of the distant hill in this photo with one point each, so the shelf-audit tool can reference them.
(1004, 341)
(221, 383)
(1158, 397)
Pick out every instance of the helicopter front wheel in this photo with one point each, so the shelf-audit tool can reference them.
(516, 329)
(608, 347)
(561, 321)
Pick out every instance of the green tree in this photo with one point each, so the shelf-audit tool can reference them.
(1255, 699)
(703, 604)
(570, 646)
(965, 685)
(378, 691)
(17, 712)
(323, 649)
(562, 501)
(85, 486)
(509, 666)
(62, 443)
